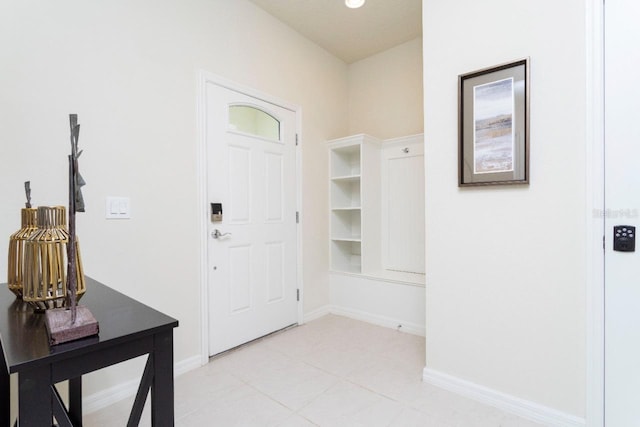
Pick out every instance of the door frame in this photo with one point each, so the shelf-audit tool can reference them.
(595, 212)
(204, 78)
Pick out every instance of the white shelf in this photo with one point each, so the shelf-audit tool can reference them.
(400, 277)
(346, 178)
(347, 208)
(346, 224)
(347, 239)
(347, 269)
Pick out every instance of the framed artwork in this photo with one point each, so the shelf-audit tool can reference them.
(493, 125)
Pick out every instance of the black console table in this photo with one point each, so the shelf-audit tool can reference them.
(127, 329)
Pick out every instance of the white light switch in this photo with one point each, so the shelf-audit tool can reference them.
(118, 208)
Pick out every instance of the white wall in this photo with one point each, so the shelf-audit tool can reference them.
(129, 69)
(505, 265)
(385, 92)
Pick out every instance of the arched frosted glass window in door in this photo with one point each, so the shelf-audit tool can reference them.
(253, 121)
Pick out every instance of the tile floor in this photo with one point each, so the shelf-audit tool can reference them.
(333, 371)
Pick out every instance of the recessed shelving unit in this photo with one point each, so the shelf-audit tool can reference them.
(349, 181)
(376, 221)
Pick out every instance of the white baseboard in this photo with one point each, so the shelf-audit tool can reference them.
(514, 405)
(317, 313)
(387, 322)
(186, 365)
(109, 396)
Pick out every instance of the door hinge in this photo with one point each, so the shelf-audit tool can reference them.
(296, 139)
(297, 217)
(297, 294)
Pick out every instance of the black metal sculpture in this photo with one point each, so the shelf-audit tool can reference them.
(76, 204)
(72, 322)
(27, 191)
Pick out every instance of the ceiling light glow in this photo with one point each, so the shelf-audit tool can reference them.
(354, 4)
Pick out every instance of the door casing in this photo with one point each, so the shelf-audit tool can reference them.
(205, 78)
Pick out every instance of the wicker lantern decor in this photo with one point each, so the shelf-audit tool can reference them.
(17, 241)
(45, 266)
(45, 261)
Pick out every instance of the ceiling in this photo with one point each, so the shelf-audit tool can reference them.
(350, 34)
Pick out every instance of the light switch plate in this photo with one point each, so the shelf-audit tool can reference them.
(118, 208)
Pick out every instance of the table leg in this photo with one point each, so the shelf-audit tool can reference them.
(75, 401)
(5, 392)
(162, 410)
(34, 397)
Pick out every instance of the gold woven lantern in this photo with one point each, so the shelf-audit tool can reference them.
(45, 261)
(16, 250)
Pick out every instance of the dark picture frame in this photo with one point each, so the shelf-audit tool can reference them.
(493, 125)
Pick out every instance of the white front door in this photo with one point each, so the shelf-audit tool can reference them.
(622, 203)
(252, 250)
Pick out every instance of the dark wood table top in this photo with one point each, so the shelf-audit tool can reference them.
(24, 336)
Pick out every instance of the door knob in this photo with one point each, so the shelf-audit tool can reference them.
(217, 234)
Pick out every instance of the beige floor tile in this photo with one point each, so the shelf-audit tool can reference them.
(243, 406)
(331, 372)
(347, 404)
(199, 388)
(296, 421)
(410, 417)
(386, 377)
(294, 385)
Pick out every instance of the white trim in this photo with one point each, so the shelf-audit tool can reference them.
(299, 182)
(201, 208)
(111, 395)
(208, 77)
(186, 365)
(508, 403)
(594, 205)
(205, 77)
(387, 322)
(401, 277)
(317, 313)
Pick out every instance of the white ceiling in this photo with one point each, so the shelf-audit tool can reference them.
(350, 34)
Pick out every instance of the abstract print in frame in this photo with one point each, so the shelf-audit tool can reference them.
(494, 125)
